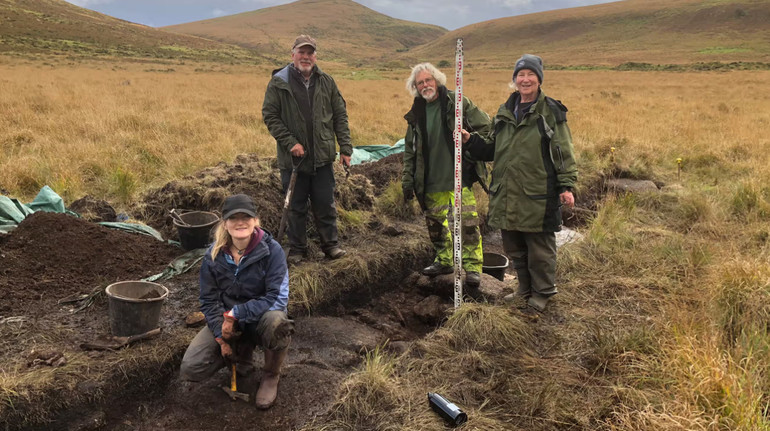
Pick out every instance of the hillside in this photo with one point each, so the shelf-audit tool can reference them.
(345, 30)
(652, 31)
(58, 27)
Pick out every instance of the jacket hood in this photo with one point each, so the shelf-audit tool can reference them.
(507, 108)
(418, 105)
(283, 72)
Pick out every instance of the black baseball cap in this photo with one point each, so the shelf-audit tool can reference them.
(239, 203)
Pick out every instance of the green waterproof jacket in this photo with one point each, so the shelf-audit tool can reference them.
(283, 119)
(475, 121)
(533, 164)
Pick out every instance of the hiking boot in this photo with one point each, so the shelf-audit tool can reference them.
(436, 268)
(473, 279)
(335, 253)
(296, 256)
(538, 302)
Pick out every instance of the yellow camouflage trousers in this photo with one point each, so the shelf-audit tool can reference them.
(439, 218)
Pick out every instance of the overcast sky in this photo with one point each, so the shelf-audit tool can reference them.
(450, 14)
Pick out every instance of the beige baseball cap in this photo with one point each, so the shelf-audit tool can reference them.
(303, 40)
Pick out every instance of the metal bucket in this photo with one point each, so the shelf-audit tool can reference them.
(198, 232)
(495, 265)
(134, 306)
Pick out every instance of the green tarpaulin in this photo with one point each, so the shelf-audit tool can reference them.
(12, 212)
(371, 153)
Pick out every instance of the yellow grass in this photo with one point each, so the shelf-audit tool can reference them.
(689, 263)
(113, 131)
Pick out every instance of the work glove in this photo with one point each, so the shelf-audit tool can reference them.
(408, 195)
(229, 327)
(227, 351)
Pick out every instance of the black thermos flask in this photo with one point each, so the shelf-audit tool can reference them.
(450, 412)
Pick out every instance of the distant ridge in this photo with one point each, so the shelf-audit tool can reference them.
(345, 30)
(642, 31)
(630, 34)
(58, 27)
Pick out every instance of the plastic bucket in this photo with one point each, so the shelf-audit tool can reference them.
(495, 265)
(197, 234)
(134, 306)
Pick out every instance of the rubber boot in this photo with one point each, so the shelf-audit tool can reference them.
(268, 387)
(525, 278)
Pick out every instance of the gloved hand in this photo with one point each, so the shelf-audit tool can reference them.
(408, 194)
(229, 327)
(226, 349)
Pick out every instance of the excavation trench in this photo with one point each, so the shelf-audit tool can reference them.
(329, 344)
(50, 258)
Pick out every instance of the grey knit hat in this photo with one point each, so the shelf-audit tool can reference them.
(531, 62)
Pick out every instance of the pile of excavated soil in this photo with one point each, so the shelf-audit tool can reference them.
(50, 256)
(251, 175)
(383, 171)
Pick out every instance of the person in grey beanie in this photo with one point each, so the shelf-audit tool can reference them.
(533, 176)
(529, 62)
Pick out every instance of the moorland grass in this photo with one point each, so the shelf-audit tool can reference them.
(665, 322)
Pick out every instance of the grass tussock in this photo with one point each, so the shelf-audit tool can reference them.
(477, 327)
(370, 397)
(474, 351)
(711, 359)
(391, 203)
(741, 300)
(712, 383)
(751, 201)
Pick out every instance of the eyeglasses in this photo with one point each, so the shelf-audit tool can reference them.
(424, 81)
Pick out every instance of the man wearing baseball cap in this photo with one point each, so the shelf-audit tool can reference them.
(306, 114)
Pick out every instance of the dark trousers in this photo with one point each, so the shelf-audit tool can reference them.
(319, 190)
(533, 255)
(203, 356)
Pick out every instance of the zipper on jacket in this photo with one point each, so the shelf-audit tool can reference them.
(561, 158)
(547, 133)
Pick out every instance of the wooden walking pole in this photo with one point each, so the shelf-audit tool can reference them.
(457, 238)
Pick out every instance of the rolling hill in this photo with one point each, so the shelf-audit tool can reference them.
(345, 30)
(610, 34)
(58, 27)
(652, 31)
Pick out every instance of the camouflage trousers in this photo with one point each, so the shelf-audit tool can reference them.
(439, 218)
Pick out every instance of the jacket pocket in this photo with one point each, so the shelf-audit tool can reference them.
(494, 189)
(326, 133)
(533, 182)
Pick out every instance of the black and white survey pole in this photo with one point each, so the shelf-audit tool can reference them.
(457, 238)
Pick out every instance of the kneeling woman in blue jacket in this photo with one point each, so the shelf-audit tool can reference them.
(244, 293)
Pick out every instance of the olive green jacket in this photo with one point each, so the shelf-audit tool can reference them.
(283, 119)
(530, 170)
(474, 120)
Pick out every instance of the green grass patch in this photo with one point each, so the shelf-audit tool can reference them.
(722, 50)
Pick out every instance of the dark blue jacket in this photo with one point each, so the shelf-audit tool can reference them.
(259, 283)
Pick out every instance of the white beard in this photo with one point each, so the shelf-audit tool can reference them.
(428, 94)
